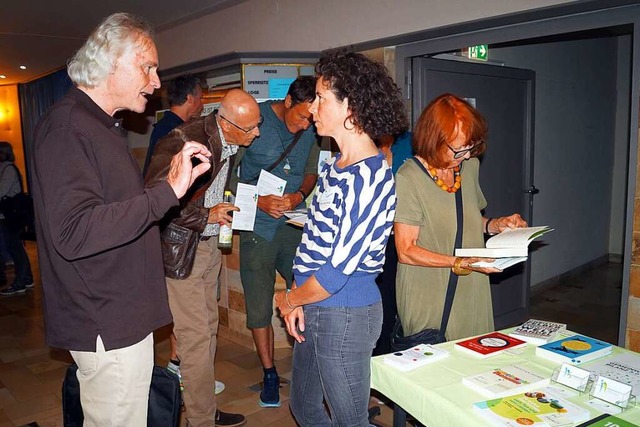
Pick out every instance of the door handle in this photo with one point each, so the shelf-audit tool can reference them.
(532, 190)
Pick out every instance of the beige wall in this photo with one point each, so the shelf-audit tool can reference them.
(293, 25)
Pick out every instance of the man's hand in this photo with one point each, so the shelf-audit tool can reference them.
(219, 213)
(275, 206)
(181, 173)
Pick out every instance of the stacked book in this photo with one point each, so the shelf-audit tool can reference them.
(538, 332)
(416, 356)
(506, 381)
(489, 344)
(574, 349)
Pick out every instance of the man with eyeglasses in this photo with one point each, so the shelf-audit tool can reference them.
(288, 148)
(192, 259)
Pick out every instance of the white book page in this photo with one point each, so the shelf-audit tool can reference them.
(269, 184)
(516, 237)
(500, 263)
(247, 201)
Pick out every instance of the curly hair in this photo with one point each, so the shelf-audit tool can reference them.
(439, 124)
(374, 99)
(117, 34)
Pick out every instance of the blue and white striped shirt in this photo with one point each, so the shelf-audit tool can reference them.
(346, 232)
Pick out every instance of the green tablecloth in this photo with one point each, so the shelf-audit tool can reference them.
(434, 394)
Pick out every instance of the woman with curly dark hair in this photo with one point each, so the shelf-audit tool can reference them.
(334, 312)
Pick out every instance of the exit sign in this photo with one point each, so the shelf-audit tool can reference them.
(480, 52)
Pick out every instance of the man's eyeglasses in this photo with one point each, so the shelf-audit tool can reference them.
(457, 154)
(243, 129)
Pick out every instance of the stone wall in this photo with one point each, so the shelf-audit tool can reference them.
(231, 306)
(633, 309)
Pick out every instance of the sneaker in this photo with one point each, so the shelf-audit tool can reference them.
(13, 290)
(175, 368)
(229, 420)
(30, 284)
(270, 394)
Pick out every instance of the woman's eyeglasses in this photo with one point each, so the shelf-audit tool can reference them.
(241, 128)
(457, 154)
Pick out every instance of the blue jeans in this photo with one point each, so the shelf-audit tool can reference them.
(334, 363)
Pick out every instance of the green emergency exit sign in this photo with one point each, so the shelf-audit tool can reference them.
(480, 52)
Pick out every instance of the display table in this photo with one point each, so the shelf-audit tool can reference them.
(435, 396)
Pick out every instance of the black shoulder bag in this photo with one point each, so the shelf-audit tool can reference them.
(164, 399)
(18, 209)
(399, 342)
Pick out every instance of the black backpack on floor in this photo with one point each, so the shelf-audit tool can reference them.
(164, 399)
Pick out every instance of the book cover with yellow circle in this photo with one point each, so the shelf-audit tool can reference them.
(574, 349)
(537, 408)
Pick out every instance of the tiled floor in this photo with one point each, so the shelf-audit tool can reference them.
(574, 302)
(31, 373)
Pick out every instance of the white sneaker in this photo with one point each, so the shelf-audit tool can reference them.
(176, 370)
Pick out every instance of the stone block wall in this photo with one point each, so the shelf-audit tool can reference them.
(231, 306)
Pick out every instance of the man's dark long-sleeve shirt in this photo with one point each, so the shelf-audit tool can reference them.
(98, 242)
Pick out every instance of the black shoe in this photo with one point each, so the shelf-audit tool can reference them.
(270, 394)
(13, 290)
(229, 420)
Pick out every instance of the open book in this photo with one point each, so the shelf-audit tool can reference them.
(508, 248)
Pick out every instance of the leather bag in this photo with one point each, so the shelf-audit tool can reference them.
(179, 245)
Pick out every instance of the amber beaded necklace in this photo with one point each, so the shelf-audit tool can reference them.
(440, 183)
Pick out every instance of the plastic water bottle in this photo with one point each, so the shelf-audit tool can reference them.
(225, 238)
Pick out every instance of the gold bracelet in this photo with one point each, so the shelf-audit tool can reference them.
(286, 299)
(458, 269)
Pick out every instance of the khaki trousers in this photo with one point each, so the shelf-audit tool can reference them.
(114, 384)
(194, 305)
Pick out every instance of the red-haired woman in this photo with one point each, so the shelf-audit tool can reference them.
(447, 139)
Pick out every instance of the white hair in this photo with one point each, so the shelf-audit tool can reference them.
(111, 39)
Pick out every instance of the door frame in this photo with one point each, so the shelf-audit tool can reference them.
(511, 73)
(544, 22)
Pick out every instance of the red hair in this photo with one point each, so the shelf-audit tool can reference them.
(440, 123)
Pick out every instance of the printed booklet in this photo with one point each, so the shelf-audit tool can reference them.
(624, 368)
(506, 381)
(574, 349)
(489, 344)
(413, 358)
(607, 420)
(538, 332)
(536, 408)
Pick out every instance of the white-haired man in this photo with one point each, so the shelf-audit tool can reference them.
(98, 242)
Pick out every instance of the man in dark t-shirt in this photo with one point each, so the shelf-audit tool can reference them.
(185, 102)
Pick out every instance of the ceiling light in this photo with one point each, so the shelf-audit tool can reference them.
(2, 76)
(23, 67)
